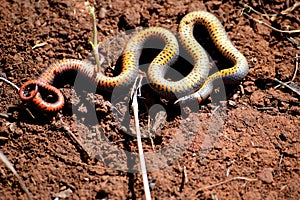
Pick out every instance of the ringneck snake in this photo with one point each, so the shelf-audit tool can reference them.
(196, 85)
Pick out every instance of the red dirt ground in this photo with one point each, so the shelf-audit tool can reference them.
(260, 139)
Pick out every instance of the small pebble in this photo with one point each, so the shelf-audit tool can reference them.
(266, 175)
(235, 96)
(231, 103)
(39, 59)
(64, 194)
(102, 13)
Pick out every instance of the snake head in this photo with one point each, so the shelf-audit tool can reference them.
(188, 98)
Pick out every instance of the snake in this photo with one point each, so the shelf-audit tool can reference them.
(196, 85)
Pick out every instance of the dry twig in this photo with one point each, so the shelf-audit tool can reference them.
(294, 42)
(226, 181)
(10, 166)
(139, 141)
(10, 83)
(71, 134)
(39, 45)
(265, 24)
(296, 68)
(246, 6)
(271, 27)
(273, 16)
(291, 85)
(290, 9)
(4, 115)
(184, 178)
(72, 161)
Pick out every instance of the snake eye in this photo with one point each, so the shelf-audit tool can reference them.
(28, 90)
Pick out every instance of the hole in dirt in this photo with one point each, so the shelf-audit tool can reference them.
(101, 195)
(230, 89)
(264, 83)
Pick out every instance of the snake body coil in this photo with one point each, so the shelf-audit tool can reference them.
(196, 85)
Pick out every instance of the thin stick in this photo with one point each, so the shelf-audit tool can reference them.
(67, 159)
(290, 9)
(4, 115)
(140, 146)
(257, 12)
(39, 45)
(284, 12)
(133, 91)
(296, 68)
(297, 91)
(10, 166)
(23, 108)
(226, 181)
(265, 108)
(71, 134)
(95, 43)
(271, 27)
(289, 83)
(10, 83)
(225, 136)
(184, 178)
(294, 74)
(294, 42)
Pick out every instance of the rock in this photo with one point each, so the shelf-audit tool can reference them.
(102, 13)
(266, 175)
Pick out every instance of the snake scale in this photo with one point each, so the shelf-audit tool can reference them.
(196, 85)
